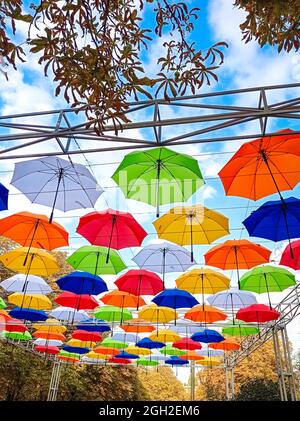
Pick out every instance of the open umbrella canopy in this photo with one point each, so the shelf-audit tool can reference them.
(289, 259)
(60, 184)
(267, 279)
(2, 304)
(19, 282)
(258, 313)
(206, 314)
(175, 298)
(131, 349)
(209, 362)
(187, 343)
(80, 344)
(93, 259)
(226, 345)
(137, 326)
(15, 325)
(105, 350)
(115, 360)
(34, 262)
(112, 314)
(68, 359)
(3, 197)
(140, 282)
(185, 327)
(124, 354)
(93, 325)
(68, 314)
(44, 349)
(146, 363)
(275, 220)
(207, 336)
(111, 228)
(35, 301)
(33, 230)
(30, 314)
(233, 254)
(191, 225)
(171, 350)
(175, 360)
(263, 166)
(157, 314)
(76, 349)
(164, 335)
(122, 299)
(96, 355)
(191, 356)
(50, 325)
(164, 176)
(76, 301)
(232, 298)
(208, 352)
(83, 335)
(44, 334)
(113, 343)
(125, 337)
(82, 283)
(19, 336)
(205, 281)
(240, 329)
(47, 342)
(148, 343)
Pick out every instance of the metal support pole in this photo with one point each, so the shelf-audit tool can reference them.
(192, 380)
(227, 384)
(288, 364)
(232, 385)
(282, 387)
(54, 382)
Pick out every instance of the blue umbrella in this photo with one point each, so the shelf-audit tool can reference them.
(93, 325)
(275, 220)
(124, 354)
(76, 349)
(28, 314)
(176, 361)
(3, 198)
(207, 336)
(175, 298)
(82, 283)
(149, 344)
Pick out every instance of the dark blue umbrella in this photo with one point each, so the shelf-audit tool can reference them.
(28, 314)
(93, 325)
(124, 354)
(3, 198)
(176, 361)
(149, 344)
(175, 298)
(207, 336)
(76, 349)
(82, 283)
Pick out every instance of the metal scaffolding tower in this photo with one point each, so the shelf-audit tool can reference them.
(54, 382)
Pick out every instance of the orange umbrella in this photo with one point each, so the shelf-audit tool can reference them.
(263, 166)
(44, 334)
(104, 350)
(122, 299)
(68, 359)
(191, 356)
(5, 315)
(205, 314)
(137, 326)
(237, 254)
(226, 345)
(33, 230)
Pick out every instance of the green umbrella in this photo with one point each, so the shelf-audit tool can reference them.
(93, 259)
(158, 176)
(2, 303)
(112, 314)
(69, 354)
(20, 336)
(169, 350)
(145, 362)
(240, 329)
(267, 279)
(113, 343)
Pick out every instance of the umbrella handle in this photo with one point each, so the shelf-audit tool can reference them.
(110, 238)
(60, 176)
(157, 187)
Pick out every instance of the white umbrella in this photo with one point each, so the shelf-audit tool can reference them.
(47, 342)
(68, 314)
(184, 327)
(126, 337)
(207, 352)
(232, 298)
(30, 283)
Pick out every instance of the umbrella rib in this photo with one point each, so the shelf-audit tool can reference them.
(70, 177)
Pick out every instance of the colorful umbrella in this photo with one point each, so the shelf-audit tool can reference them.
(124, 354)
(93, 325)
(57, 183)
(170, 350)
(209, 362)
(28, 314)
(82, 283)
(51, 325)
(122, 299)
(115, 360)
(68, 314)
(258, 313)
(93, 259)
(157, 314)
(146, 363)
(83, 335)
(38, 262)
(47, 349)
(191, 225)
(207, 336)
(44, 334)
(2, 304)
(47, 342)
(125, 337)
(233, 298)
(187, 343)
(164, 335)
(162, 175)
(80, 344)
(148, 343)
(208, 352)
(131, 349)
(191, 356)
(14, 325)
(3, 197)
(76, 349)
(112, 343)
(33, 284)
(137, 326)
(289, 259)
(206, 314)
(111, 228)
(113, 314)
(240, 329)
(187, 328)
(237, 254)
(275, 220)
(35, 301)
(19, 336)
(174, 360)
(226, 345)
(140, 282)
(263, 166)
(103, 350)
(77, 301)
(175, 298)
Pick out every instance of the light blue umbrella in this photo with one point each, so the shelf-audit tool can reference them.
(232, 298)
(30, 283)
(68, 314)
(125, 337)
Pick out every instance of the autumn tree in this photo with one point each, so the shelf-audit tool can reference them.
(259, 390)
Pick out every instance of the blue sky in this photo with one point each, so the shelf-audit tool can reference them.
(245, 66)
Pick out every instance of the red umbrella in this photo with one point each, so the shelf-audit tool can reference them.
(47, 349)
(87, 336)
(140, 282)
(187, 343)
(112, 229)
(14, 325)
(77, 301)
(258, 313)
(286, 257)
(119, 360)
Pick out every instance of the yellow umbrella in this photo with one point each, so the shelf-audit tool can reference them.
(36, 301)
(209, 361)
(196, 224)
(131, 349)
(50, 325)
(93, 354)
(33, 261)
(164, 335)
(80, 344)
(154, 313)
